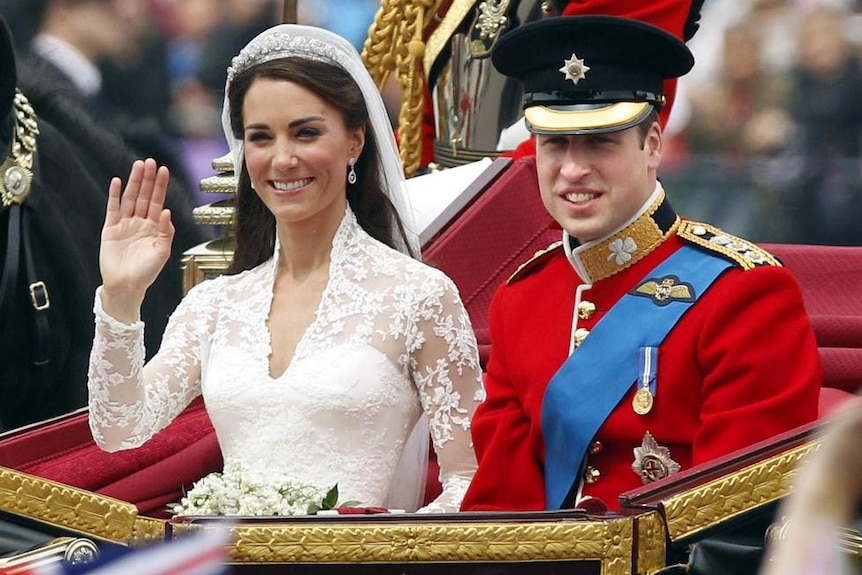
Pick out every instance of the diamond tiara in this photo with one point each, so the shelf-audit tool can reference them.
(281, 45)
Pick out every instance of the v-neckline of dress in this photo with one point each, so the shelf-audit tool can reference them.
(337, 239)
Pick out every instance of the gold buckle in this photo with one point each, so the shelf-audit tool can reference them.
(39, 296)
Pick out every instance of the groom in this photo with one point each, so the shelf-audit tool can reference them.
(642, 343)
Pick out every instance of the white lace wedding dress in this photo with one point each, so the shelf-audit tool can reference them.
(390, 340)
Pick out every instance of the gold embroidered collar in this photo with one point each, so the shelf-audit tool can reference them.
(602, 258)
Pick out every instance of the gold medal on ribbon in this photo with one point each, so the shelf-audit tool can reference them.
(642, 402)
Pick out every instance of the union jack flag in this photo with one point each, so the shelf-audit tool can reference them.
(204, 553)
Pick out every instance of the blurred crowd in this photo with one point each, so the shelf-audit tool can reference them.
(773, 75)
(766, 132)
(768, 126)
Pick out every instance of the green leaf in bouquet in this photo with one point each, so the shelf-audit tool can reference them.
(331, 499)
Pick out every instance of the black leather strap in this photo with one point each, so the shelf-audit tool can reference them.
(12, 264)
(19, 242)
(39, 299)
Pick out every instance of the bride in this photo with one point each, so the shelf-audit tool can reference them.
(327, 342)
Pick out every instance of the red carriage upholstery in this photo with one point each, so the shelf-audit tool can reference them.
(831, 278)
(151, 476)
(481, 248)
(486, 243)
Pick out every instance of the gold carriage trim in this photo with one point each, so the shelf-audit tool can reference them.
(610, 542)
(650, 545)
(533, 261)
(223, 163)
(744, 253)
(732, 495)
(66, 507)
(206, 261)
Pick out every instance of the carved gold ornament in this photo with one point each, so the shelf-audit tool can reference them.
(490, 21)
(732, 495)
(609, 542)
(86, 513)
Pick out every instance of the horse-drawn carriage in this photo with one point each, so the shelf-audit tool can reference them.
(57, 489)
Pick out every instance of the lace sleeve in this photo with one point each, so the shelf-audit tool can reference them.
(445, 367)
(130, 402)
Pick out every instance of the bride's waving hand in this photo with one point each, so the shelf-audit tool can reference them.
(136, 238)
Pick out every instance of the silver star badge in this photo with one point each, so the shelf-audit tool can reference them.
(574, 69)
(652, 461)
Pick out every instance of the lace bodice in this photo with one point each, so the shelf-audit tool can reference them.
(390, 340)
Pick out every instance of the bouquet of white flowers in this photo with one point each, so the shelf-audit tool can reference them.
(240, 491)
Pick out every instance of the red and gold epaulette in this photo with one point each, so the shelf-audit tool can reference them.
(742, 252)
(534, 261)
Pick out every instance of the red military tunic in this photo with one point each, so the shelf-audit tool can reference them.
(739, 367)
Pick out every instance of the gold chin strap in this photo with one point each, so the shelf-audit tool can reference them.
(16, 173)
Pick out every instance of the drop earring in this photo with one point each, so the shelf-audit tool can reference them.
(351, 174)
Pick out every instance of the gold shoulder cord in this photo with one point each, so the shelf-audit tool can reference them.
(396, 42)
(16, 173)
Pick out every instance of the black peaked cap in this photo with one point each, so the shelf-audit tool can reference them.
(612, 59)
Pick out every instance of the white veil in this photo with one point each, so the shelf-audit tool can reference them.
(408, 485)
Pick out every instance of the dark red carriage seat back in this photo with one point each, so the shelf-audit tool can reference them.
(485, 244)
(151, 476)
(831, 279)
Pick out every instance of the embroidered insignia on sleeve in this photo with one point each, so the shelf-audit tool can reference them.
(652, 461)
(744, 253)
(533, 261)
(665, 290)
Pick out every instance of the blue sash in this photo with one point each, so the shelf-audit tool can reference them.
(590, 384)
